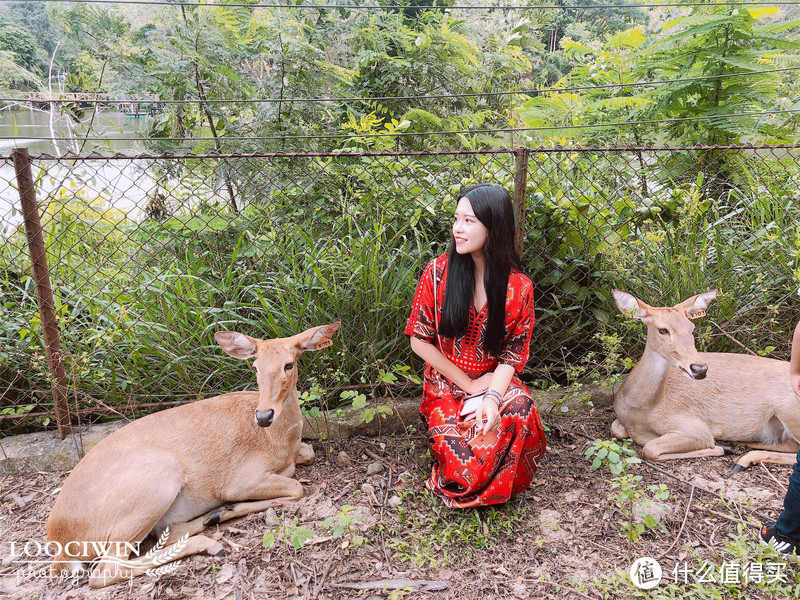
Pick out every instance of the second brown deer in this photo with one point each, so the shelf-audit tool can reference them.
(174, 473)
(678, 402)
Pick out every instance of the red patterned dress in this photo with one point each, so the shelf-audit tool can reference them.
(471, 469)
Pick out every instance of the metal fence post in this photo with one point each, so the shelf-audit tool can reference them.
(520, 195)
(44, 291)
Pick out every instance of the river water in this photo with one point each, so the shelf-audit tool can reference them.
(119, 184)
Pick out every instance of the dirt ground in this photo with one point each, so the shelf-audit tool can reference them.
(367, 523)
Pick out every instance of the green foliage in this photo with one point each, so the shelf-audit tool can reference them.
(35, 18)
(14, 77)
(96, 43)
(228, 52)
(432, 535)
(138, 303)
(290, 532)
(324, 239)
(344, 523)
(633, 501)
(701, 576)
(720, 49)
(17, 42)
(614, 455)
(21, 61)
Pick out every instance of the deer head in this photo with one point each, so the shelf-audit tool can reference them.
(670, 329)
(275, 364)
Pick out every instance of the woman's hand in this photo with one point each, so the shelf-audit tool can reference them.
(490, 410)
(479, 385)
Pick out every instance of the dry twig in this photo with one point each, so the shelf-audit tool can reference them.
(680, 531)
(412, 585)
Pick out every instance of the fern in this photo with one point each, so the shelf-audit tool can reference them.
(631, 38)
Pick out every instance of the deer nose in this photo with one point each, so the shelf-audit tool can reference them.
(699, 371)
(265, 419)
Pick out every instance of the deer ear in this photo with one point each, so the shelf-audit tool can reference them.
(630, 306)
(317, 338)
(695, 307)
(236, 344)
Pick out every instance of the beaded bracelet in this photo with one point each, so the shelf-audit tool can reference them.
(496, 395)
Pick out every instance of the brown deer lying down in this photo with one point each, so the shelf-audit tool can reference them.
(680, 412)
(187, 468)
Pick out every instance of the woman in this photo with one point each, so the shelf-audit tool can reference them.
(784, 534)
(471, 323)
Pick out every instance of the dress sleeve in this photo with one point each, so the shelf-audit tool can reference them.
(519, 324)
(421, 323)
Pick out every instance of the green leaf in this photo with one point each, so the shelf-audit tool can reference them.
(631, 38)
(368, 415)
(269, 539)
(300, 535)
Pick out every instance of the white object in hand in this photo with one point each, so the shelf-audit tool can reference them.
(471, 404)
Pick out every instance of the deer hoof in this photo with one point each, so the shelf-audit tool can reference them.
(214, 518)
(737, 468)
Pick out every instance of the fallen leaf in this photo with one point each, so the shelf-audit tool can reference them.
(225, 574)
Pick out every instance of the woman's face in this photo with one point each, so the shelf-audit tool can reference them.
(470, 234)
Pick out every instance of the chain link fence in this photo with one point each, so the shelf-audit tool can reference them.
(148, 256)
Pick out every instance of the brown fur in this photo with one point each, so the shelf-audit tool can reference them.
(171, 468)
(742, 399)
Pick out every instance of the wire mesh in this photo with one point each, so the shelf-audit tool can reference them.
(149, 256)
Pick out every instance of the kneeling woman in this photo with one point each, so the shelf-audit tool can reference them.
(471, 323)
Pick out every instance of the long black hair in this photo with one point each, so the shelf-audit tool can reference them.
(492, 206)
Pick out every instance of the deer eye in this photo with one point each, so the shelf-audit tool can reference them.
(288, 366)
(663, 331)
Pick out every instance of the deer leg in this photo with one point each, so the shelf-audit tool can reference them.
(763, 456)
(306, 455)
(113, 569)
(787, 446)
(618, 430)
(241, 509)
(271, 491)
(780, 453)
(677, 444)
(275, 490)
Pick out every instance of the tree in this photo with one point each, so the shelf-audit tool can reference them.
(14, 77)
(212, 56)
(34, 18)
(715, 58)
(19, 43)
(581, 21)
(722, 42)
